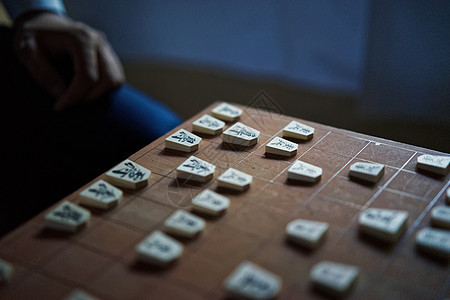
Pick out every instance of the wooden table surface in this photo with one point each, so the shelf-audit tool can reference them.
(101, 259)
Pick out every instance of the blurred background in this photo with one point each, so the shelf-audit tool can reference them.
(376, 67)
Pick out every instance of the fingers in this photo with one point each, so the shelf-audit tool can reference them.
(39, 66)
(96, 68)
(97, 71)
(83, 50)
(111, 74)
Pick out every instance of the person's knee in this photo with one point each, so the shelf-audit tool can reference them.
(141, 114)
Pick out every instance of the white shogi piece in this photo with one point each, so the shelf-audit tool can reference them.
(371, 172)
(304, 172)
(210, 203)
(78, 294)
(226, 112)
(250, 281)
(67, 217)
(184, 224)
(435, 242)
(306, 233)
(434, 163)
(280, 146)
(208, 124)
(101, 195)
(334, 278)
(440, 216)
(183, 140)
(241, 135)
(196, 169)
(159, 249)
(298, 131)
(6, 271)
(235, 180)
(129, 175)
(385, 224)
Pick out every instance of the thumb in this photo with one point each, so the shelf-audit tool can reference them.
(39, 66)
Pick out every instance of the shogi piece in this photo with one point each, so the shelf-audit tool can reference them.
(235, 180)
(367, 171)
(280, 146)
(435, 242)
(385, 224)
(101, 195)
(183, 140)
(159, 249)
(333, 278)
(241, 135)
(184, 224)
(78, 294)
(6, 271)
(305, 233)
(298, 131)
(196, 169)
(226, 112)
(434, 163)
(208, 125)
(67, 217)
(210, 203)
(440, 216)
(249, 281)
(129, 175)
(304, 172)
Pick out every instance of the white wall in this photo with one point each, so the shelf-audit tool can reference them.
(395, 55)
(317, 42)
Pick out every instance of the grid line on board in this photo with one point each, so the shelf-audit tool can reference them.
(412, 228)
(264, 243)
(328, 181)
(370, 201)
(290, 164)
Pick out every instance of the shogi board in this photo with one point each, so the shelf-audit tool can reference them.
(101, 259)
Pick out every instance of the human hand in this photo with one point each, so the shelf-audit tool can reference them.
(43, 36)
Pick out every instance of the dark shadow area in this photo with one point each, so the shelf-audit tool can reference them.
(297, 141)
(293, 182)
(430, 258)
(187, 183)
(302, 249)
(50, 233)
(171, 152)
(328, 294)
(278, 157)
(436, 176)
(383, 246)
(99, 211)
(362, 181)
(236, 148)
(208, 217)
(145, 267)
(226, 191)
(184, 239)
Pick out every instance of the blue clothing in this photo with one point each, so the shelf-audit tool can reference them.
(139, 114)
(18, 7)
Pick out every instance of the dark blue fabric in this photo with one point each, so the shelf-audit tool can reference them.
(140, 114)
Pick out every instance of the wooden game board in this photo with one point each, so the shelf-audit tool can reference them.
(101, 259)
